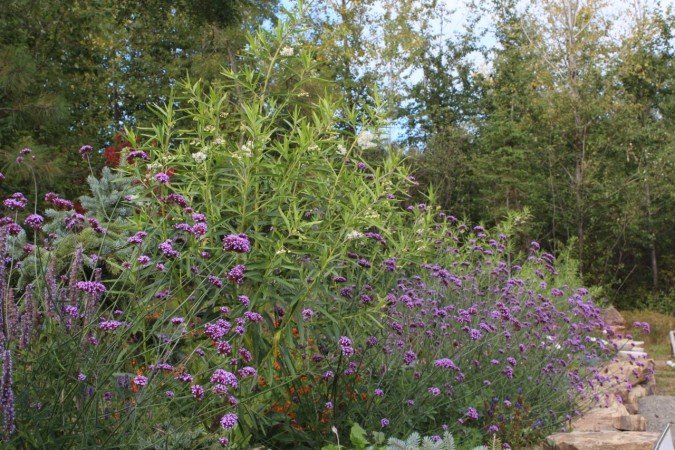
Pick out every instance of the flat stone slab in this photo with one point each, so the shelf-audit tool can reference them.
(627, 344)
(603, 440)
(634, 354)
(600, 419)
(630, 423)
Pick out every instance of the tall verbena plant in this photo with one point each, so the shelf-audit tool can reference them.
(246, 277)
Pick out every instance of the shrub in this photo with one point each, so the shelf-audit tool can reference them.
(246, 277)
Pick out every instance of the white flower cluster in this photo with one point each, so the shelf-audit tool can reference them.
(341, 150)
(199, 157)
(366, 140)
(286, 51)
(354, 234)
(246, 149)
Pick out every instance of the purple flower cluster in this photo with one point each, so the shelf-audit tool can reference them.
(137, 154)
(34, 221)
(91, 287)
(238, 243)
(85, 151)
(236, 274)
(229, 421)
(16, 201)
(162, 178)
(167, 249)
(58, 202)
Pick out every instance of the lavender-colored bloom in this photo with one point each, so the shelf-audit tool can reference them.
(646, 328)
(74, 222)
(34, 221)
(253, 316)
(7, 395)
(2, 176)
(162, 178)
(140, 380)
(110, 325)
(329, 405)
(81, 377)
(96, 226)
(86, 150)
(508, 372)
(199, 229)
(307, 314)
(434, 391)
(244, 300)
(475, 334)
(135, 154)
(364, 263)
(409, 357)
(229, 421)
(57, 201)
(221, 376)
(184, 377)
(446, 363)
(389, 264)
(143, 260)
(176, 199)
(378, 392)
(167, 249)
(197, 392)
(183, 227)
(16, 201)
(472, 413)
(238, 243)
(215, 281)
(384, 423)
(91, 287)
(137, 238)
(344, 341)
(236, 274)
(71, 311)
(247, 371)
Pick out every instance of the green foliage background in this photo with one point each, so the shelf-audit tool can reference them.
(587, 150)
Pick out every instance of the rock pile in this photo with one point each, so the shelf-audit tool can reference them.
(612, 420)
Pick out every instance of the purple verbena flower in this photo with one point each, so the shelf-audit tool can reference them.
(162, 178)
(86, 150)
(91, 287)
(238, 243)
(16, 201)
(135, 154)
(34, 221)
(236, 274)
(229, 421)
